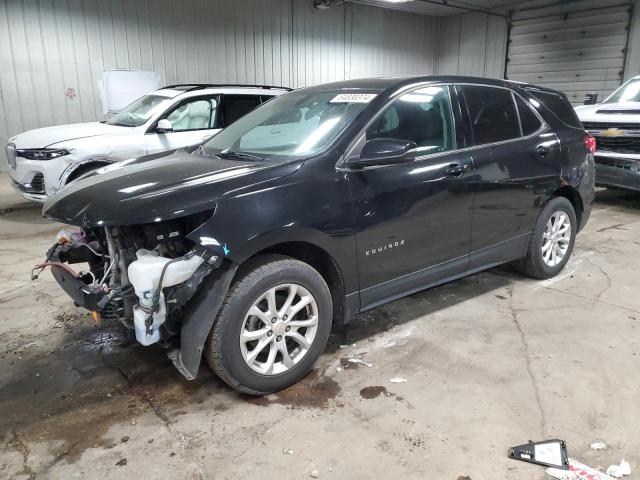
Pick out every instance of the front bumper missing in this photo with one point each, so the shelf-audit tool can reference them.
(197, 315)
(77, 287)
(82, 294)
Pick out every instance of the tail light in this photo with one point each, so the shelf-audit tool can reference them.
(590, 143)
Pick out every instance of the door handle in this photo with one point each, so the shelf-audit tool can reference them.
(456, 169)
(542, 150)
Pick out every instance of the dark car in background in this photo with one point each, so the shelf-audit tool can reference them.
(319, 204)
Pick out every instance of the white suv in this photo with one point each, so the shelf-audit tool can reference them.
(44, 160)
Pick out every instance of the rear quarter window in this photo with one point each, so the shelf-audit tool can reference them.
(559, 106)
(528, 120)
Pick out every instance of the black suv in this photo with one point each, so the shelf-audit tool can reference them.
(319, 204)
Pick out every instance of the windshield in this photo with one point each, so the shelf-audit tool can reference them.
(138, 112)
(627, 93)
(294, 125)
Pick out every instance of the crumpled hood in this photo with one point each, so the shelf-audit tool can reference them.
(628, 112)
(156, 188)
(45, 137)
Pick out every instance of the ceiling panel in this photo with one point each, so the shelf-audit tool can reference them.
(427, 8)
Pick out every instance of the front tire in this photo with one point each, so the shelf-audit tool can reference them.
(552, 240)
(272, 327)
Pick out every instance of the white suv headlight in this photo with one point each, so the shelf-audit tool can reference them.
(41, 153)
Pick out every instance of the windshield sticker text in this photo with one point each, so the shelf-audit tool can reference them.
(353, 98)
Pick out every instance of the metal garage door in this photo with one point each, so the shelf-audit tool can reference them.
(576, 48)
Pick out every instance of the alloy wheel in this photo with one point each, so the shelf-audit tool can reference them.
(279, 329)
(556, 238)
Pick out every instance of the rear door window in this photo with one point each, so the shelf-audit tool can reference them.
(492, 112)
(237, 106)
(529, 121)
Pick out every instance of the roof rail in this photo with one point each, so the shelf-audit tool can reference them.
(200, 86)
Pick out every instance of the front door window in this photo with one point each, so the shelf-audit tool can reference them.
(422, 116)
(195, 115)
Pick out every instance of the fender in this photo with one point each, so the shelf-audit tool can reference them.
(98, 161)
(203, 309)
(227, 235)
(280, 214)
(239, 247)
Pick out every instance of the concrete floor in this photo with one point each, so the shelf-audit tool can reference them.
(491, 361)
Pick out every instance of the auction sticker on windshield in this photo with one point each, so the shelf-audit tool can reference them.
(353, 98)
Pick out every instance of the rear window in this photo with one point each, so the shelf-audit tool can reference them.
(559, 106)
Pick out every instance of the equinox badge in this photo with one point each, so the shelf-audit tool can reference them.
(388, 246)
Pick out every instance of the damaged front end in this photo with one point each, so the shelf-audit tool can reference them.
(146, 237)
(152, 278)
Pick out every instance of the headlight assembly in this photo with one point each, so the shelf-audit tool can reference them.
(41, 153)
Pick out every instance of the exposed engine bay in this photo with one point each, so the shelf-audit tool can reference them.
(142, 276)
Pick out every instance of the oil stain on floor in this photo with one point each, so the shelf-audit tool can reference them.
(74, 393)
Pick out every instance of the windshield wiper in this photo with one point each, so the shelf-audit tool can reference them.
(120, 124)
(239, 155)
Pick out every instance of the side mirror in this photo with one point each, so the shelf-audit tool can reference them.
(384, 151)
(590, 99)
(550, 453)
(164, 126)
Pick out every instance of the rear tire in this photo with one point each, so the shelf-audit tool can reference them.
(552, 240)
(259, 345)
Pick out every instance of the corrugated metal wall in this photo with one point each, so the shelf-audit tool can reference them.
(473, 44)
(632, 63)
(353, 40)
(576, 47)
(47, 46)
(389, 45)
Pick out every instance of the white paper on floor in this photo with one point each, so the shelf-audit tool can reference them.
(578, 471)
(359, 361)
(398, 380)
(620, 470)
